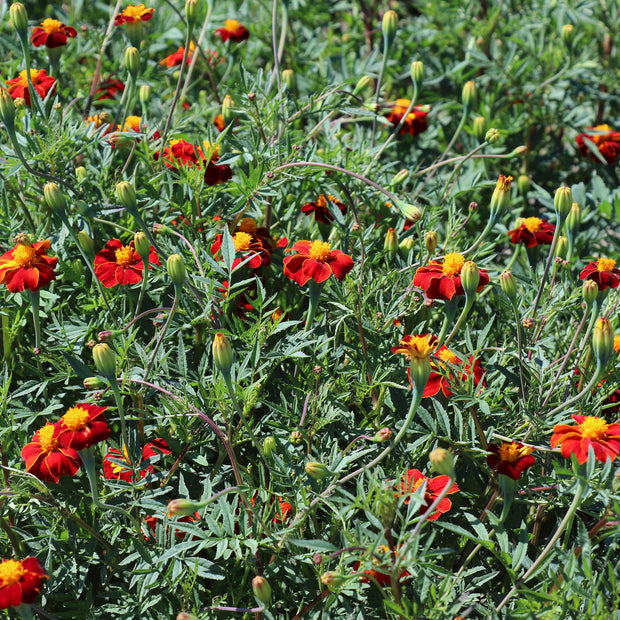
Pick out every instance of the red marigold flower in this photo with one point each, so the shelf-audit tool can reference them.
(320, 209)
(176, 58)
(46, 460)
(603, 272)
(284, 513)
(82, 426)
(42, 83)
(233, 30)
(439, 380)
(121, 264)
(116, 466)
(247, 245)
(382, 573)
(315, 260)
(219, 122)
(442, 279)
(416, 347)
(416, 122)
(109, 88)
(133, 13)
(27, 267)
(589, 431)
(414, 479)
(511, 458)
(607, 141)
(178, 153)
(52, 33)
(533, 231)
(20, 582)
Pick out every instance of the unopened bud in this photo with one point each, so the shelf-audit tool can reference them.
(222, 353)
(332, 580)
(411, 212)
(296, 438)
(518, 150)
(317, 470)
(94, 383)
(88, 245)
(261, 589)
(19, 18)
(132, 61)
(142, 245)
(399, 177)
(442, 461)
(384, 434)
(509, 284)
(480, 127)
(7, 109)
(191, 12)
(106, 335)
(430, 241)
(80, 173)
(389, 27)
(269, 446)
(405, 246)
(390, 245)
(470, 277)
(568, 34)
(603, 341)
(126, 195)
(561, 247)
(54, 197)
(228, 113)
(563, 202)
(590, 291)
(289, 79)
(417, 72)
(105, 360)
(186, 616)
(500, 200)
(144, 94)
(573, 220)
(523, 183)
(492, 136)
(181, 508)
(469, 94)
(175, 266)
(364, 83)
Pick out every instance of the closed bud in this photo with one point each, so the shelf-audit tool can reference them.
(442, 461)
(469, 94)
(603, 342)
(561, 247)
(390, 245)
(80, 173)
(261, 589)
(269, 446)
(94, 383)
(191, 12)
(86, 242)
(500, 200)
(105, 360)
(509, 284)
(389, 27)
(568, 34)
(411, 212)
(222, 353)
(289, 79)
(518, 150)
(106, 117)
(480, 128)
(144, 94)
(54, 198)
(106, 335)
(132, 61)
(563, 202)
(492, 136)
(470, 277)
(186, 616)
(430, 241)
(363, 84)
(175, 266)
(384, 434)
(316, 470)
(142, 245)
(7, 109)
(296, 438)
(399, 177)
(126, 195)
(405, 246)
(19, 18)
(332, 580)
(523, 183)
(417, 72)
(385, 507)
(228, 113)
(181, 508)
(573, 220)
(589, 291)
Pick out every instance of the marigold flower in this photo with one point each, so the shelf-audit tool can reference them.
(382, 573)
(133, 13)
(416, 122)
(247, 245)
(441, 377)
(52, 33)
(109, 88)
(41, 82)
(510, 459)
(27, 267)
(219, 122)
(589, 431)
(82, 426)
(603, 272)
(46, 459)
(607, 141)
(121, 264)
(442, 279)
(20, 582)
(417, 347)
(533, 231)
(321, 210)
(315, 260)
(413, 479)
(233, 30)
(176, 58)
(283, 514)
(116, 466)
(178, 153)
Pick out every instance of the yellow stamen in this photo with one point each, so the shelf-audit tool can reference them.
(512, 452)
(452, 264)
(321, 201)
(51, 26)
(242, 241)
(319, 250)
(136, 11)
(605, 265)
(125, 256)
(132, 123)
(76, 418)
(25, 256)
(593, 427)
(417, 347)
(11, 572)
(232, 24)
(47, 440)
(34, 76)
(617, 344)
(401, 105)
(447, 356)
(533, 224)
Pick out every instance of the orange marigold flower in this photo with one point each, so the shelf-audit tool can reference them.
(176, 58)
(413, 479)
(219, 122)
(382, 572)
(133, 13)
(603, 272)
(441, 377)
(42, 83)
(52, 33)
(116, 466)
(321, 210)
(416, 122)
(533, 231)
(606, 140)
(589, 431)
(284, 512)
(233, 30)
(27, 267)
(442, 279)
(20, 582)
(417, 347)
(121, 264)
(511, 458)
(315, 260)
(46, 459)
(82, 426)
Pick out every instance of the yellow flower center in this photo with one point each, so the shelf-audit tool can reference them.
(321, 201)
(512, 452)
(132, 123)
(25, 256)
(319, 250)
(418, 347)
(11, 571)
(605, 264)
(533, 224)
(447, 356)
(125, 256)
(232, 25)
(34, 76)
(135, 11)
(116, 468)
(47, 440)
(504, 183)
(401, 105)
(247, 225)
(242, 241)
(617, 344)
(452, 264)
(211, 151)
(593, 427)
(51, 26)
(76, 418)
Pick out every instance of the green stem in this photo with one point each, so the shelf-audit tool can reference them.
(173, 309)
(378, 90)
(450, 309)
(34, 306)
(514, 257)
(483, 234)
(313, 304)
(118, 397)
(519, 348)
(470, 298)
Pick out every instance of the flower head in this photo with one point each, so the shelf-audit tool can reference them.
(46, 459)
(416, 121)
(589, 431)
(441, 279)
(603, 272)
(321, 210)
(121, 264)
(413, 479)
(533, 231)
(116, 466)
(20, 582)
(417, 347)
(27, 267)
(381, 570)
(510, 459)
(315, 260)
(109, 88)
(176, 58)
(41, 82)
(82, 426)
(442, 378)
(179, 153)
(233, 30)
(606, 140)
(52, 33)
(133, 13)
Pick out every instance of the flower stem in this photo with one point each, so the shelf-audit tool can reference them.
(451, 307)
(162, 334)
(34, 306)
(469, 302)
(315, 295)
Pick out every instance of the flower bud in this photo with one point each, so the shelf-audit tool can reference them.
(417, 73)
(19, 18)
(384, 434)
(492, 136)
(142, 245)
(568, 35)
(589, 291)
(442, 461)
(289, 79)
(86, 242)
(573, 220)
(80, 174)
(430, 241)
(390, 245)
(411, 212)
(561, 247)
(191, 12)
(175, 266)
(106, 335)
(296, 438)
(603, 341)
(563, 202)
(500, 200)
(186, 616)
(470, 277)
(332, 580)
(389, 27)
(54, 197)
(518, 150)
(126, 195)
(94, 383)
(385, 507)
(144, 94)
(364, 83)
(7, 109)
(399, 177)
(523, 184)
(480, 127)
(469, 94)
(261, 589)
(228, 113)
(132, 61)
(181, 508)
(405, 246)
(105, 360)
(222, 353)
(269, 446)
(509, 284)
(316, 470)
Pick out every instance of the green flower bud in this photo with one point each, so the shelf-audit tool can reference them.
(175, 266)
(54, 198)
(222, 353)
(430, 241)
(261, 589)
(573, 220)
(411, 212)
(561, 247)
(143, 247)
(399, 177)
(191, 12)
(126, 195)
(523, 183)
(19, 18)
(492, 136)
(7, 109)
(480, 127)
(269, 446)
(470, 277)
(88, 245)
(563, 202)
(469, 94)
(390, 245)
(80, 174)
(385, 507)
(296, 438)
(405, 246)
(384, 434)
(144, 94)
(363, 84)
(389, 27)
(132, 61)
(568, 35)
(518, 150)
(603, 341)
(105, 360)
(509, 284)
(417, 72)
(289, 79)
(442, 461)
(317, 470)
(182, 508)
(228, 112)
(332, 580)
(589, 291)
(94, 383)
(500, 200)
